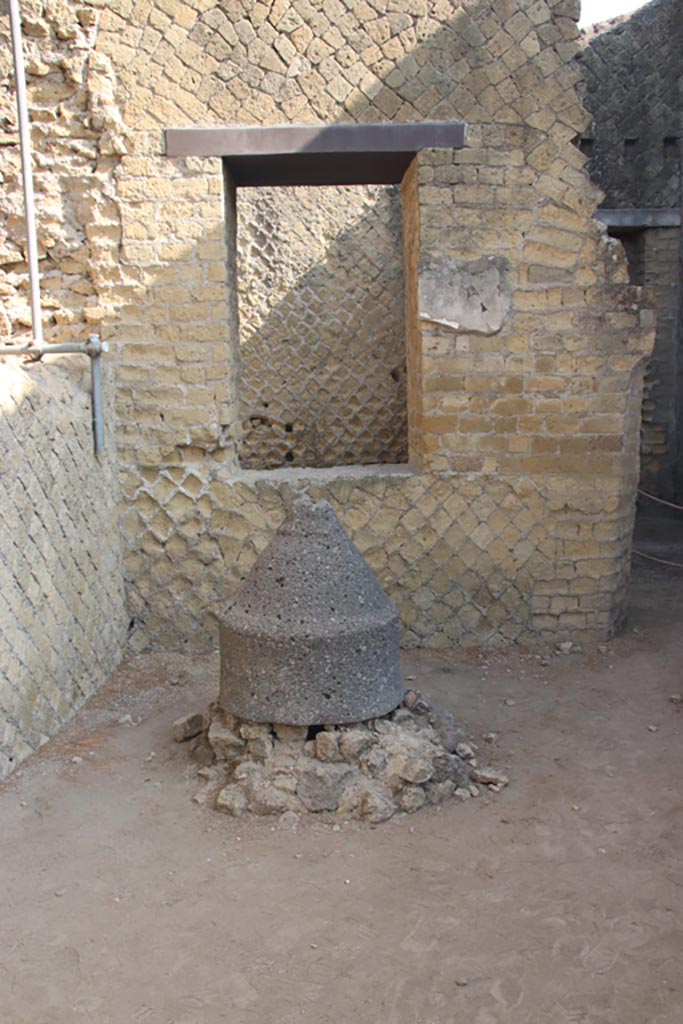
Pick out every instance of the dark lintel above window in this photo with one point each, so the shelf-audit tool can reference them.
(340, 154)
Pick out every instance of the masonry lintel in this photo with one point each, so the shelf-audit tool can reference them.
(340, 154)
(639, 218)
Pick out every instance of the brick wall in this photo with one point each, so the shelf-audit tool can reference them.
(62, 617)
(515, 520)
(512, 520)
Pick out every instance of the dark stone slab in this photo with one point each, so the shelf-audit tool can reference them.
(323, 169)
(638, 218)
(340, 154)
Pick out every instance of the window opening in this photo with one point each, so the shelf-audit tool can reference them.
(633, 241)
(321, 326)
(671, 146)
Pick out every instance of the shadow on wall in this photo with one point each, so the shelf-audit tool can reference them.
(517, 191)
(322, 364)
(453, 73)
(632, 76)
(322, 380)
(633, 84)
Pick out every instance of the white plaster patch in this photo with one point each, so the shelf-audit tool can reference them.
(466, 297)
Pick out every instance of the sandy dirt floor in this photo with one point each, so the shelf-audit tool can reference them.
(560, 900)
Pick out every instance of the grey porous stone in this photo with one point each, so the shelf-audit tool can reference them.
(231, 800)
(366, 771)
(321, 785)
(377, 806)
(448, 731)
(412, 798)
(489, 776)
(311, 637)
(187, 727)
(226, 744)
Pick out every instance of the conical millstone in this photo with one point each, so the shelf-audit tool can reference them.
(311, 638)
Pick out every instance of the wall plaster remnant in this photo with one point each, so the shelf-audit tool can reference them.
(469, 297)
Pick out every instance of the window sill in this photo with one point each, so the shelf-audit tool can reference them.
(326, 474)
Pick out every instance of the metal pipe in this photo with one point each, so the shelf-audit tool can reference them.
(37, 347)
(96, 379)
(26, 171)
(86, 348)
(93, 348)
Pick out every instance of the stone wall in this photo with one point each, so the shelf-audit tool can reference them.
(62, 616)
(660, 266)
(632, 71)
(634, 92)
(77, 134)
(512, 520)
(322, 327)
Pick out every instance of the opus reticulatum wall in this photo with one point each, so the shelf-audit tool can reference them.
(62, 611)
(634, 92)
(322, 378)
(512, 519)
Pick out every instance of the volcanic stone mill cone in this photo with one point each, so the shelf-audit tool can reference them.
(311, 637)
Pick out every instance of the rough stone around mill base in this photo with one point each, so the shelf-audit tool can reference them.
(371, 770)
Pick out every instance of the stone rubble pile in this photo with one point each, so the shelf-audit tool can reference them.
(371, 770)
